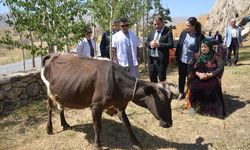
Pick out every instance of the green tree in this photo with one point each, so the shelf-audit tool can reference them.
(55, 23)
(100, 10)
(164, 12)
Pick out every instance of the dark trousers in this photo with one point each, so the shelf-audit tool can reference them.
(157, 69)
(182, 70)
(234, 46)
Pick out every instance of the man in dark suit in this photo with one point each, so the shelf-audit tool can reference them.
(158, 43)
(218, 37)
(105, 41)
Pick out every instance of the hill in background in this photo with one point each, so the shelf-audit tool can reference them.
(181, 25)
(2, 23)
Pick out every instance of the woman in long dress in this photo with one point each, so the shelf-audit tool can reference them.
(205, 81)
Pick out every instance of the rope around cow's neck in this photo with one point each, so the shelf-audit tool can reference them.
(136, 80)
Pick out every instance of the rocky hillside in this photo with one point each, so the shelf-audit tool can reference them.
(223, 11)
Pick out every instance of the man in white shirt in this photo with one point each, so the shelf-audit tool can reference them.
(232, 40)
(85, 47)
(125, 47)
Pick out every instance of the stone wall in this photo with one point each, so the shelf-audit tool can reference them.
(18, 88)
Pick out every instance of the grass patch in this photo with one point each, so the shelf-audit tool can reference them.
(33, 108)
(12, 56)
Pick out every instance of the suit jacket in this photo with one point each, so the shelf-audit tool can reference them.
(198, 38)
(219, 38)
(104, 45)
(166, 42)
(228, 36)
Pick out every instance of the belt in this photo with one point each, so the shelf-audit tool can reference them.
(155, 58)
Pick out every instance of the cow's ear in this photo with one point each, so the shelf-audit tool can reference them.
(149, 89)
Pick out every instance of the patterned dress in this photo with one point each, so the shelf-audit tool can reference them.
(206, 95)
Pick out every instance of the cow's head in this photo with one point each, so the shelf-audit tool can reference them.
(158, 102)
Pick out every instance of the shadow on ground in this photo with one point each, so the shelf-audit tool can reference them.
(28, 113)
(114, 136)
(232, 103)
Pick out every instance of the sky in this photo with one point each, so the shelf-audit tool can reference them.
(189, 8)
(177, 8)
(3, 9)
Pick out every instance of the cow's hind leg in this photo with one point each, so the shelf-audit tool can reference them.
(49, 127)
(126, 123)
(64, 124)
(97, 116)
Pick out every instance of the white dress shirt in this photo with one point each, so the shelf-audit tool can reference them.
(119, 43)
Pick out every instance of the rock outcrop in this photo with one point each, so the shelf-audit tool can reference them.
(223, 11)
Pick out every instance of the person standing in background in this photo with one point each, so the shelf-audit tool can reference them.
(232, 41)
(218, 37)
(209, 36)
(188, 45)
(105, 41)
(158, 43)
(125, 47)
(85, 47)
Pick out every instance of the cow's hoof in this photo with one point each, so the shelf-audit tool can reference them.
(138, 147)
(66, 127)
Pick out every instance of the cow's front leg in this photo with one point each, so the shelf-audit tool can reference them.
(97, 116)
(64, 124)
(126, 123)
(49, 127)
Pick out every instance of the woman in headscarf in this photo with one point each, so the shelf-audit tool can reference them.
(205, 82)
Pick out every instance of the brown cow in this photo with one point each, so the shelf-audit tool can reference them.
(77, 82)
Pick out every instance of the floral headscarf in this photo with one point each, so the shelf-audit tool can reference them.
(206, 57)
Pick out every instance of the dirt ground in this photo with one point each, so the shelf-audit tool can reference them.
(24, 128)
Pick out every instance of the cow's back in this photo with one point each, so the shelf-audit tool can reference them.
(73, 79)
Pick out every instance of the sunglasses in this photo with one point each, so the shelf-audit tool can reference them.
(125, 25)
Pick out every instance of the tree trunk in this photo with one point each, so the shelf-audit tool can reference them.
(24, 68)
(110, 30)
(21, 40)
(143, 41)
(51, 49)
(33, 55)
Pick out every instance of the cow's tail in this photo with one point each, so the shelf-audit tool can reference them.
(44, 59)
(46, 82)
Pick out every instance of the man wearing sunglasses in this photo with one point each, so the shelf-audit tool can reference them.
(125, 46)
(158, 43)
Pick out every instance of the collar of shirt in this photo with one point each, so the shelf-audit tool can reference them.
(192, 34)
(233, 27)
(156, 31)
